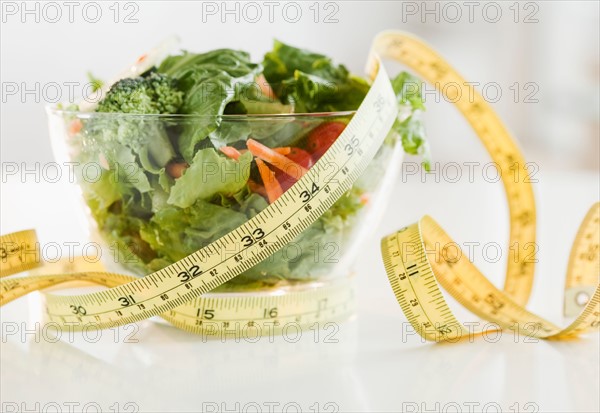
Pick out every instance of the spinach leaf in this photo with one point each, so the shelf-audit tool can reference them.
(209, 81)
(311, 81)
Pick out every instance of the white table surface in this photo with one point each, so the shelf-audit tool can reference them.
(370, 367)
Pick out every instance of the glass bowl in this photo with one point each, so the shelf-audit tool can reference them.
(155, 193)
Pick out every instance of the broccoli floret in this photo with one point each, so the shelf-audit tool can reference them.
(152, 94)
(145, 137)
(168, 98)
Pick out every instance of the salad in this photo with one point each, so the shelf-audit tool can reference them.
(201, 142)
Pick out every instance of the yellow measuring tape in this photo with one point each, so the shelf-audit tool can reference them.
(176, 292)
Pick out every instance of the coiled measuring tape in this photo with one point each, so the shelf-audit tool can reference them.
(176, 292)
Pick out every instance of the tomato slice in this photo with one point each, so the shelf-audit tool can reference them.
(301, 157)
(322, 137)
(285, 181)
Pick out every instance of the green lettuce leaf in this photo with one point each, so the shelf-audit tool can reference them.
(145, 137)
(409, 125)
(210, 174)
(175, 232)
(408, 90)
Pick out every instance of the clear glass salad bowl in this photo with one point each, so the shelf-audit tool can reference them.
(150, 206)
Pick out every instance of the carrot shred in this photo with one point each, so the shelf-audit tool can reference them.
(75, 127)
(271, 184)
(257, 188)
(284, 150)
(279, 161)
(231, 152)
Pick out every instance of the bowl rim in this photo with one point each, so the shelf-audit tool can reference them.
(53, 110)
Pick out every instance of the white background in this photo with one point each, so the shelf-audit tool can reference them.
(376, 363)
(559, 53)
(372, 367)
